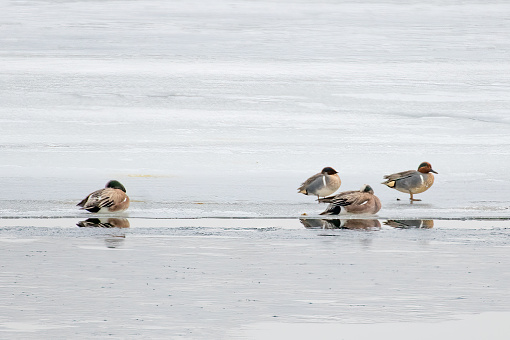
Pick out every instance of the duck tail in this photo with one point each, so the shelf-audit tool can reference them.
(390, 184)
(326, 199)
(332, 210)
(82, 203)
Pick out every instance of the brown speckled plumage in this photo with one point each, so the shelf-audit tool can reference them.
(112, 198)
(362, 201)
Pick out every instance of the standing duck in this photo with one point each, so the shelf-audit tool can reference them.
(412, 181)
(355, 202)
(322, 184)
(110, 199)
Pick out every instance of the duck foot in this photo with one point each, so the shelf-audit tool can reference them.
(412, 199)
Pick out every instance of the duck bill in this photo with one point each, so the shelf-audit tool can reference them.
(433, 171)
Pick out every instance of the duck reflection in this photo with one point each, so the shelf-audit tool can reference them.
(110, 222)
(410, 224)
(313, 223)
(114, 241)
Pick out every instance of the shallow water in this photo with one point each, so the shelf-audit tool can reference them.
(251, 278)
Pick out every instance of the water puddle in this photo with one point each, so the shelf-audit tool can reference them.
(257, 223)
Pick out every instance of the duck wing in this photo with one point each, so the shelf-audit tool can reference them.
(338, 197)
(350, 198)
(309, 181)
(399, 175)
(102, 198)
(341, 200)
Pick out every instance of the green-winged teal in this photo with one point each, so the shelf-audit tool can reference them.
(412, 181)
(322, 184)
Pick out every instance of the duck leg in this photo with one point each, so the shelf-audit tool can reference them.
(414, 199)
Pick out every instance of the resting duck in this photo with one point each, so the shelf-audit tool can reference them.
(355, 202)
(322, 184)
(110, 199)
(412, 181)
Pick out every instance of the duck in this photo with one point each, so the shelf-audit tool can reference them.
(412, 181)
(322, 184)
(362, 201)
(112, 198)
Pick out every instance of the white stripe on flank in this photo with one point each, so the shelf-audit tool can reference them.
(422, 180)
(324, 179)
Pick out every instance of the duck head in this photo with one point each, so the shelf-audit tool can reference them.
(425, 168)
(115, 185)
(329, 171)
(367, 188)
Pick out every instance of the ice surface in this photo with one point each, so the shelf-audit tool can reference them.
(486, 325)
(233, 104)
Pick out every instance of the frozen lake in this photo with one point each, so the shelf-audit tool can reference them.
(212, 114)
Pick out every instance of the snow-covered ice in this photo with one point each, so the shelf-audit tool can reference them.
(234, 103)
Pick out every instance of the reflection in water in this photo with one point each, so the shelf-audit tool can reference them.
(313, 223)
(115, 239)
(111, 222)
(316, 223)
(410, 224)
